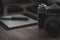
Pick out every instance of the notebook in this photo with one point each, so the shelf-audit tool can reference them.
(17, 23)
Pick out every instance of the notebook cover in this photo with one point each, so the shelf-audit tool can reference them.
(10, 24)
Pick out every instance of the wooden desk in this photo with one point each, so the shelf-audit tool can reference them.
(26, 33)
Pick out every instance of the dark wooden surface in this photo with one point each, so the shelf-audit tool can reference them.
(26, 33)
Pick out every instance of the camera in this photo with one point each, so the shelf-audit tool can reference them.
(49, 18)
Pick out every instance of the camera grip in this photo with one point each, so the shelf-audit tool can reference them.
(41, 20)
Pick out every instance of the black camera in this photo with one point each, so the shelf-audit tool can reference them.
(49, 18)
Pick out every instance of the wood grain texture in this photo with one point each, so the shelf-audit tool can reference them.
(26, 33)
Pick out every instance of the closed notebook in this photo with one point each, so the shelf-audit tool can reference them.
(16, 23)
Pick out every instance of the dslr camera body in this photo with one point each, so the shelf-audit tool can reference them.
(49, 18)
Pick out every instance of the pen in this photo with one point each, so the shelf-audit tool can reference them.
(16, 18)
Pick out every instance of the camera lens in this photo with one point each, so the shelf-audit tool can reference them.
(53, 24)
(52, 28)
